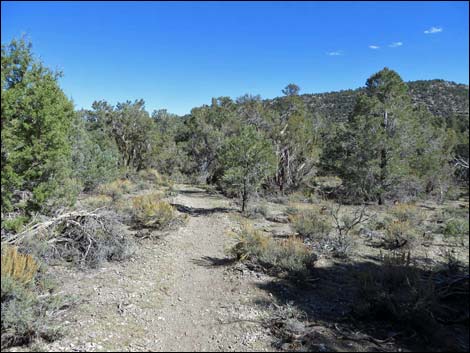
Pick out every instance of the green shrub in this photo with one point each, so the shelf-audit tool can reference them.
(456, 227)
(151, 211)
(311, 224)
(37, 120)
(15, 224)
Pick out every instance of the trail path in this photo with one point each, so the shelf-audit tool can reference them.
(177, 294)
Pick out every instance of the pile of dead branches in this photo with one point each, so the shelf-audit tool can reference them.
(84, 238)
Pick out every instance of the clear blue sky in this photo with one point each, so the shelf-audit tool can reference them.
(177, 55)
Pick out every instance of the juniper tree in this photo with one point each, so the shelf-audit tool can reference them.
(36, 122)
(247, 159)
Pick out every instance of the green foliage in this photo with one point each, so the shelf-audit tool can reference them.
(247, 161)
(291, 90)
(36, 123)
(383, 150)
(204, 134)
(14, 224)
(456, 227)
(95, 157)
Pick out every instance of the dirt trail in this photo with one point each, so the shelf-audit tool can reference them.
(176, 295)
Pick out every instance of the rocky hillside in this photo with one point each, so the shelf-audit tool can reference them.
(443, 98)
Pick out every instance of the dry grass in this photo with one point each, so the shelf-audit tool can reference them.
(116, 189)
(20, 267)
(98, 201)
(408, 213)
(290, 255)
(154, 177)
(151, 211)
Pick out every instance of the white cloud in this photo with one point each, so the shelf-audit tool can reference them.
(433, 30)
(374, 46)
(396, 44)
(335, 53)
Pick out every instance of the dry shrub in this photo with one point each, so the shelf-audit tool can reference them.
(125, 209)
(84, 238)
(407, 213)
(151, 211)
(289, 255)
(395, 292)
(292, 255)
(399, 234)
(423, 301)
(154, 177)
(257, 211)
(98, 201)
(150, 174)
(312, 223)
(28, 311)
(90, 241)
(251, 243)
(21, 268)
(116, 188)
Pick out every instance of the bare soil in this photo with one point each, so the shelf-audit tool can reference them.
(176, 294)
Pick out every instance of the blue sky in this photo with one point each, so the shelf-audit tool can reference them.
(177, 55)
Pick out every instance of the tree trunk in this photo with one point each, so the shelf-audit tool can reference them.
(383, 164)
(244, 196)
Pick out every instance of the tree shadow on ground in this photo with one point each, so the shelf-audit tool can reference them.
(336, 301)
(212, 262)
(195, 212)
(199, 192)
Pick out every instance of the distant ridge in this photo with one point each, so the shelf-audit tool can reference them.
(445, 99)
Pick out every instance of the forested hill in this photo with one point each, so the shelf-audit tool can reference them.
(443, 98)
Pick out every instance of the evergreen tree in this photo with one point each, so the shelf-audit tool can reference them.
(248, 159)
(386, 143)
(36, 121)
